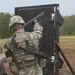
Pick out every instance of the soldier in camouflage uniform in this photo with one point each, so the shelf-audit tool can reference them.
(23, 63)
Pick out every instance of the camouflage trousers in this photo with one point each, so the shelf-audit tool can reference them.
(33, 70)
(2, 69)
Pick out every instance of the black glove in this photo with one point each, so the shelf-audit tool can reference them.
(8, 53)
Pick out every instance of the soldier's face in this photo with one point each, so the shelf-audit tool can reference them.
(14, 27)
(17, 26)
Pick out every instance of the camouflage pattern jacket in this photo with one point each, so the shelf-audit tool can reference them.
(27, 64)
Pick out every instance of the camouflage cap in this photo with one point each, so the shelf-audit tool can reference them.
(15, 19)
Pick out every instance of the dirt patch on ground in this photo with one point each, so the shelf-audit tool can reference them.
(70, 54)
(68, 46)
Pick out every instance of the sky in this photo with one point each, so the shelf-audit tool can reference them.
(66, 7)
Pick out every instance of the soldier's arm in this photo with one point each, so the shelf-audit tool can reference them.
(8, 53)
(5, 55)
(37, 31)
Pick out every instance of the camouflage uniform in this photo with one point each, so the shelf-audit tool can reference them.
(24, 63)
(2, 66)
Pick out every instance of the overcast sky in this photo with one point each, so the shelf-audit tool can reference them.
(67, 7)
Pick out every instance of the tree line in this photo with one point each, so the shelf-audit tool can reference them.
(4, 23)
(68, 27)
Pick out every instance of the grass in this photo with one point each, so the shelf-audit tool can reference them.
(67, 42)
(67, 39)
(2, 41)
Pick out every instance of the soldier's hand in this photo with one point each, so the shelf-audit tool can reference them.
(36, 21)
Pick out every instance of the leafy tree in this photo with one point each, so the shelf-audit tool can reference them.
(68, 27)
(4, 22)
